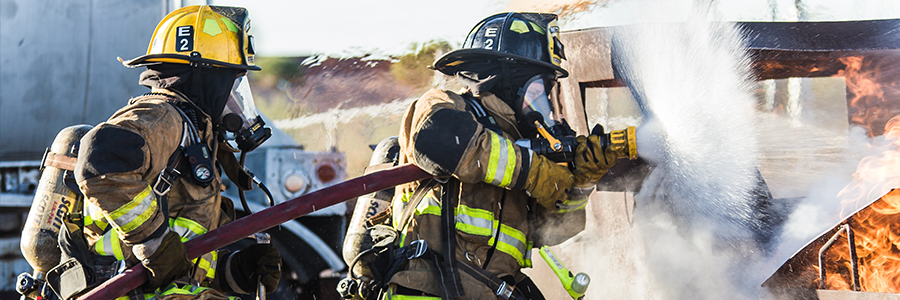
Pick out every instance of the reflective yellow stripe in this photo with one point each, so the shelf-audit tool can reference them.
(519, 26)
(186, 228)
(537, 28)
(474, 221)
(397, 207)
(572, 205)
(481, 222)
(512, 242)
(109, 245)
(510, 163)
(528, 255)
(131, 215)
(189, 229)
(208, 263)
(391, 296)
(93, 215)
(173, 289)
(429, 205)
(502, 162)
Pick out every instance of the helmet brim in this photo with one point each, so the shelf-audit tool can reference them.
(456, 60)
(153, 59)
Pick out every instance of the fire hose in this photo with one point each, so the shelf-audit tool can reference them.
(265, 219)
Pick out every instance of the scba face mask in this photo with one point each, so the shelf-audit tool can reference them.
(241, 117)
(534, 104)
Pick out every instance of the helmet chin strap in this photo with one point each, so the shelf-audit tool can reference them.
(508, 95)
(196, 77)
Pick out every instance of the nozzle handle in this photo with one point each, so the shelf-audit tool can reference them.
(598, 130)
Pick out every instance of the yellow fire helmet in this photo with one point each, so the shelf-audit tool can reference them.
(202, 35)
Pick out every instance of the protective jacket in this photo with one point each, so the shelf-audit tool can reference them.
(473, 140)
(119, 165)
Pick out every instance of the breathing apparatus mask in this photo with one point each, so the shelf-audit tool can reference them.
(544, 130)
(547, 133)
(241, 119)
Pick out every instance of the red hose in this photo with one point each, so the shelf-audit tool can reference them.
(265, 219)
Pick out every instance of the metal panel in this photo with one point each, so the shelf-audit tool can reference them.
(588, 59)
(59, 66)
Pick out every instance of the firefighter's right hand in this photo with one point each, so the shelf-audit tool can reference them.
(591, 160)
(258, 263)
(164, 257)
(548, 182)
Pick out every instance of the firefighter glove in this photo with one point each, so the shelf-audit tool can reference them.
(548, 182)
(258, 263)
(591, 160)
(164, 257)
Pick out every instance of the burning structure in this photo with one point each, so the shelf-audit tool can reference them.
(858, 258)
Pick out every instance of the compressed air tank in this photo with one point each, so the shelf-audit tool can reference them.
(53, 200)
(357, 239)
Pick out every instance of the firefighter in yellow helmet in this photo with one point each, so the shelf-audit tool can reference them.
(506, 198)
(151, 173)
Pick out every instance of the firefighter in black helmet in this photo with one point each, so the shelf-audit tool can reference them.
(506, 198)
(151, 173)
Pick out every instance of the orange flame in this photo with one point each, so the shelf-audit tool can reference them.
(872, 91)
(876, 230)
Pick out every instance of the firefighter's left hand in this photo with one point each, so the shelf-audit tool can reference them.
(591, 160)
(256, 263)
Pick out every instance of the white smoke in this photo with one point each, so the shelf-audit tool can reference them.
(695, 213)
(336, 116)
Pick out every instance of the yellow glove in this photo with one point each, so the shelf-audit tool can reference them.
(591, 160)
(548, 182)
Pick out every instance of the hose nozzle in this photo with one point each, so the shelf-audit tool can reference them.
(619, 141)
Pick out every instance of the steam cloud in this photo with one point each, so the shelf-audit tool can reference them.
(697, 211)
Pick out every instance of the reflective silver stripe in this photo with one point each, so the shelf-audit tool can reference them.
(109, 245)
(474, 220)
(502, 164)
(527, 262)
(512, 245)
(93, 215)
(208, 263)
(474, 225)
(429, 205)
(508, 239)
(134, 213)
(186, 228)
(572, 205)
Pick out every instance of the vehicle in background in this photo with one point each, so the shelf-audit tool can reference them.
(62, 70)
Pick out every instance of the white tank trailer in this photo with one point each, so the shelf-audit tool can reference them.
(60, 69)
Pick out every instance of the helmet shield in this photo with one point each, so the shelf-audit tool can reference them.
(531, 38)
(240, 103)
(241, 117)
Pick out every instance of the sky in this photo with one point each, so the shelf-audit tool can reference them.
(391, 27)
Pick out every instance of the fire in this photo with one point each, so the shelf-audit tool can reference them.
(877, 239)
(877, 235)
(872, 90)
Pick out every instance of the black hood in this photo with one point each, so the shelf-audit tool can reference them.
(489, 76)
(209, 93)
